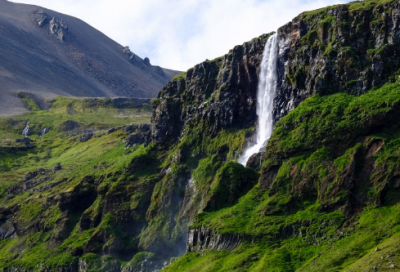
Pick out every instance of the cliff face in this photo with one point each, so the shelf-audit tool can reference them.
(334, 151)
(220, 94)
(346, 48)
(341, 49)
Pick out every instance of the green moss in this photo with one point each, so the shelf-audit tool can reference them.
(29, 102)
(375, 228)
(329, 119)
(76, 241)
(382, 49)
(181, 76)
(155, 102)
(52, 215)
(344, 160)
(231, 182)
(63, 259)
(140, 257)
(30, 211)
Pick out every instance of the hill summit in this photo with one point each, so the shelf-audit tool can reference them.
(46, 54)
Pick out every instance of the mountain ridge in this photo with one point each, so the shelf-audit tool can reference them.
(47, 53)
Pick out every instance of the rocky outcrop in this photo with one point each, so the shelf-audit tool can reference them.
(146, 265)
(255, 161)
(29, 181)
(337, 50)
(24, 186)
(7, 229)
(203, 238)
(57, 28)
(57, 167)
(312, 231)
(156, 71)
(319, 53)
(222, 91)
(86, 136)
(30, 176)
(134, 139)
(138, 137)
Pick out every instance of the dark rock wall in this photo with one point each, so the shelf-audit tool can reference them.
(220, 94)
(337, 50)
(334, 50)
(203, 238)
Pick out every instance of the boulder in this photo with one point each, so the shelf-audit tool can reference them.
(88, 134)
(7, 230)
(30, 176)
(57, 167)
(144, 127)
(111, 130)
(255, 161)
(134, 139)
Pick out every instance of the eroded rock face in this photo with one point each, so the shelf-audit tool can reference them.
(86, 136)
(135, 139)
(7, 230)
(201, 239)
(318, 54)
(156, 71)
(255, 161)
(30, 175)
(138, 137)
(57, 28)
(57, 167)
(222, 91)
(342, 51)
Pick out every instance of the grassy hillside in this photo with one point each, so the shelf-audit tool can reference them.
(61, 145)
(308, 219)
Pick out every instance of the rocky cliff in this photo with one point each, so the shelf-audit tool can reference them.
(221, 93)
(345, 48)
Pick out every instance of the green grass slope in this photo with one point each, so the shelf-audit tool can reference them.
(103, 153)
(337, 226)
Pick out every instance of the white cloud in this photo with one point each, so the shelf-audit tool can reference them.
(178, 34)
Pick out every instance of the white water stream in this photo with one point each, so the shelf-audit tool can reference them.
(26, 130)
(266, 92)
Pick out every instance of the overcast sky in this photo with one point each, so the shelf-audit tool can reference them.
(178, 34)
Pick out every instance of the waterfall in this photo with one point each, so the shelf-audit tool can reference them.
(26, 130)
(266, 92)
(44, 131)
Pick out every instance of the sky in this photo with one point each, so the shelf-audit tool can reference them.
(179, 34)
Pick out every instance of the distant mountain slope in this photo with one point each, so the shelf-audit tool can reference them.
(46, 53)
